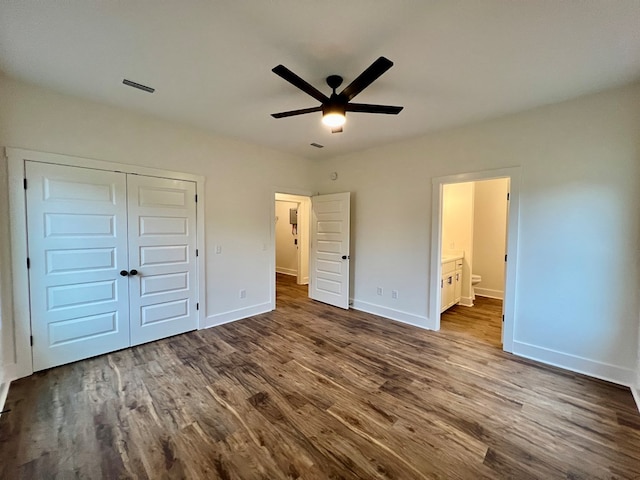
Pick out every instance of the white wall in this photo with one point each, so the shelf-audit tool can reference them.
(286, 249)
(489, 235)
(7, 356)
(578, 266)
(240, 180)
(457, 229)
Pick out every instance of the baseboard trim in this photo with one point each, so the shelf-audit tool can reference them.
(488, 292)
(4, 391)
(287, 271)
(603, 371)
(636, 396)
(391, 314)
(466, 302)
(234, 315)
(7, 375)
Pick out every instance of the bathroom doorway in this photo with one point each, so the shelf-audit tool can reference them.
(474, 231)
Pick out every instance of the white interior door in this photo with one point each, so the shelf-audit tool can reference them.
(77, 237)
(162, 252)
(329, 255)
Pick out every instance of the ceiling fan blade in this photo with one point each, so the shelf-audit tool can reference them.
(302, 111)
(336, 130)
(303, 85)
(367, 108)
(367, 77)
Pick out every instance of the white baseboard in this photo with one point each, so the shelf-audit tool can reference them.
(287, 271)
(636, 396)
(390, 313)
(7, 375)
(4, 391)
(239, 314)
(603, 371)
(488, 292)
(466, 301)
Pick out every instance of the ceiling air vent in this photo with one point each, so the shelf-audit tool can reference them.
(317, 145)
(139, 86)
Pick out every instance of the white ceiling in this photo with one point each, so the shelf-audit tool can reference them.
(456, 61)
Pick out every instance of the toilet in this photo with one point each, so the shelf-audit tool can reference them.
(475, 279)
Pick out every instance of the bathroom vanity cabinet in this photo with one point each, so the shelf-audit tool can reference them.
(451, 282)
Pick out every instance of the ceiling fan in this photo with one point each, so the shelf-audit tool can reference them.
(334, 108)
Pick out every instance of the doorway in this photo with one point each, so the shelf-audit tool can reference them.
(323, 240)
(291, 236)
(456, 252)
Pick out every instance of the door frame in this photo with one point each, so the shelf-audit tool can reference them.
(16, 158)
(304, 232)
(514, 174)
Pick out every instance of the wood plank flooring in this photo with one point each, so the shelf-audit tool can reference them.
(314, 392)
(482, 322)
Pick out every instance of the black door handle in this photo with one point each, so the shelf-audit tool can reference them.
(124, 273)
(344, 257)
(133, 272)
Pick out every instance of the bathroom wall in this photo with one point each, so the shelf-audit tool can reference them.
(286, 249)
(457, 229)
(489, 235)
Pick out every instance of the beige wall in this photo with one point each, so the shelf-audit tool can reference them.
(489, 235)
(286, 249)
(457, 229)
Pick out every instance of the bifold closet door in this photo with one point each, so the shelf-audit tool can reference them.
(162, 250)
(77, 234)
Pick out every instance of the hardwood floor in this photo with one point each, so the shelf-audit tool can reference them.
(481, 323)
(314, 392)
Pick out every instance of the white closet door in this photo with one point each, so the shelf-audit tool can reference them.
(162, 249)
(329, 254)
(77, 236)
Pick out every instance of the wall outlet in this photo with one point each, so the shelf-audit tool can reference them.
(394, 293)
(379, 291)
(243, 293)
(218, 249)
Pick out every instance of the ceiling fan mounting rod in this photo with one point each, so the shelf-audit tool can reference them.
(334, 81)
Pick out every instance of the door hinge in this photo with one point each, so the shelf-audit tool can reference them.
(31, 340)
(196, 198)
(28, 263)
(505, 257)
(24, 182)
(197, 306)
(503, 318)
(196, 252)
(508, 194)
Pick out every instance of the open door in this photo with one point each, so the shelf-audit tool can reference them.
(329, 255)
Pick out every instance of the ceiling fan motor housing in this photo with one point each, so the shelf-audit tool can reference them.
(336, 104)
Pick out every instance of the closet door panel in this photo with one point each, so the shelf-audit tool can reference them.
(162, 250)
(77, 242)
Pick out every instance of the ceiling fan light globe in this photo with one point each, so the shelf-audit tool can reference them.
(333, 119)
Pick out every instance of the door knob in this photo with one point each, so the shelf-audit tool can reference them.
(124, 273)
(133, 272)
(344, 257)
